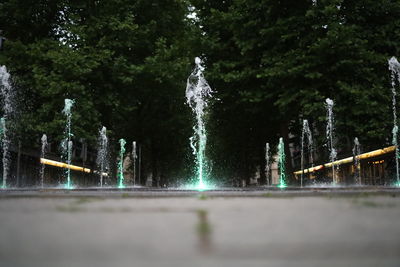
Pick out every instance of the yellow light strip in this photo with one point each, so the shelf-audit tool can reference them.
(367, 155)
(64, 165)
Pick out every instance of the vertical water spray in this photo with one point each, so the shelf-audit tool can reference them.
(102, 153)
(42, 155)
(122, 144)
(134, 157)
(306, 132)
(267, 162)
(197, 93)
(281, 164)
(7, 94)
(357, 167)
(66, 144)
(330, 137)
(394, 67)
(2, 128)
(4, 145)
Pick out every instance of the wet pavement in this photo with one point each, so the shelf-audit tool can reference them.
(252, 227)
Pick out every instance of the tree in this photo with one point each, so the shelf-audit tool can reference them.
(282, 59)
(124, 62)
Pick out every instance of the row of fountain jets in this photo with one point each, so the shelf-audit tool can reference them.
(197, 93)
(307, 140)
(102, 153)
(307, 145)
(66, 145)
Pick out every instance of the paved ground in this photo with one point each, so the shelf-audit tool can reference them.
(254, 228)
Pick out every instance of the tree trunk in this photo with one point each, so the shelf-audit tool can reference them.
(139, 171)
(262, 164)
(154, 163)
(19, 164)
(247, 171)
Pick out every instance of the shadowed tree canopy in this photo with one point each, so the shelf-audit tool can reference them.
(271, 63)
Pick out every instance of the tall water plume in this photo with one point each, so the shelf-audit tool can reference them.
(8, 94)
(330, 136)
(281, 163)
(122, 144)
(394, 67)
(306, 136)
(357, 167)
(42, 155)
(66, 144)
(197, 93)
(267, 163)
(102, 154)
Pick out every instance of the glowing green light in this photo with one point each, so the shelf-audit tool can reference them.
(282, 185)
(199, 186)
(197, 93)
(68, 186)
(397, 184)
(122, 143)
(67, 142)
(121, 186)
(281, 164)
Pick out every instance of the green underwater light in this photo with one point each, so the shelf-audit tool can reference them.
(204, 186)
(67, 144)
(199, 186)
(121, 186)
(282, 185)
(281, 164)
(197, 94)
(122, 143)
(69, 186)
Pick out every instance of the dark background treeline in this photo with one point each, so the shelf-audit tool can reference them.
(271, 63)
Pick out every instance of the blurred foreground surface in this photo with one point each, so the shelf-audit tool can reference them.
(199, 229)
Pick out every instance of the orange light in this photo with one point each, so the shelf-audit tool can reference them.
(367, 155)
(64, 165)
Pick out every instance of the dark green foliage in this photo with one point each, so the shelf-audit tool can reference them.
(272, 64)
(124, 62)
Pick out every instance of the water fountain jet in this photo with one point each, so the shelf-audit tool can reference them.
(267, 163)
(197, 93)
(306, 132)
(3, 136)
(102, 153)
(356, 156)
(66, 144)
(281, 164)
(394, 67)
(329, 134)
(7, 94)
(42, 155)
(122, 144)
